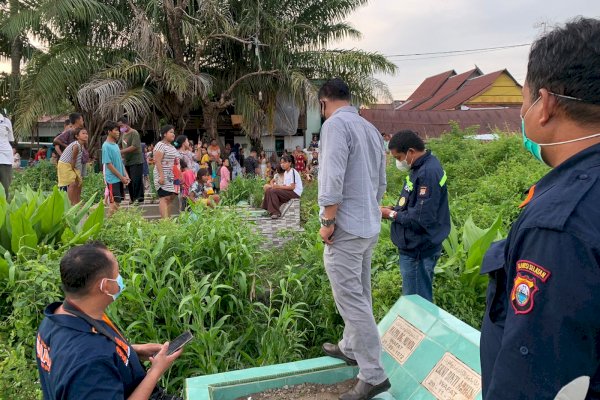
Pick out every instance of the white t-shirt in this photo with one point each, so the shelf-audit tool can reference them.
(6, 136)
(292, 176)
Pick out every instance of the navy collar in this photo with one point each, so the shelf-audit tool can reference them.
(580, 163)
(64, 320)
(421, 160)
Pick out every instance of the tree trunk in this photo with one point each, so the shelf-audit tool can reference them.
(211, 117)
(255, 138)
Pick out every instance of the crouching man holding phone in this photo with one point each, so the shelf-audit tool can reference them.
(80, 353)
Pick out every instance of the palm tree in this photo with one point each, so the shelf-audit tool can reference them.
(284, 58)
(81, 37)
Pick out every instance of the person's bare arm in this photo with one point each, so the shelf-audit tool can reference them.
(75, 154)
(116, 173)
(158, 156)
(160, 363)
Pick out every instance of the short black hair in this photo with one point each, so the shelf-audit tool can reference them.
(109, 126)
(407, 139)
(286, 158)
(74, 117)
(67, 122)
(82, 265)
(182, 163)
(165, 129)
(124, 120)
(335, 89)
(566, 61)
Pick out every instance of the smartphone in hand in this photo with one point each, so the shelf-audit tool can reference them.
(179, 342)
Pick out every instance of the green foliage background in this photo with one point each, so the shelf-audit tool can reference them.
(206, 272)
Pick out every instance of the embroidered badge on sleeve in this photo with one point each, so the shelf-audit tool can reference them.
(423, 191)
(525, 285)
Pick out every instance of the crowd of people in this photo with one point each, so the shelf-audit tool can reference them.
(183, 171)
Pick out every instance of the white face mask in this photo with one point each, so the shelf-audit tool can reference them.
(402, 165)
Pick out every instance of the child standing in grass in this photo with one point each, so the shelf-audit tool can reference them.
(225, 175)
(188, 178)
(115, 175)
(70, 166)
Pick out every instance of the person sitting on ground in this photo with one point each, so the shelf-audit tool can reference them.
(115, 175)
(70, 168)
(202, 191)
(80, 353)
(276, 195)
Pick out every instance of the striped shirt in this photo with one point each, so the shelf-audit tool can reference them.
(67, 155)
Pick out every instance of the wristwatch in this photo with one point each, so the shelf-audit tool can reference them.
(327, 222)
(392, 215)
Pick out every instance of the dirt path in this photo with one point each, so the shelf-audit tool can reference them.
(305, 391)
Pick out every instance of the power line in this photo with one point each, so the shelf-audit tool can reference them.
(460, 51)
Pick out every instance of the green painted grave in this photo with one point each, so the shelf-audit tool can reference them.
(428, 354)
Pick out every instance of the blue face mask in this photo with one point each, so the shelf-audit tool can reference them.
(121, 284)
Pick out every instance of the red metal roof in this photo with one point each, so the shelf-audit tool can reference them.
(426, 90)
(448, 89)
(430, 124)
(470, 89)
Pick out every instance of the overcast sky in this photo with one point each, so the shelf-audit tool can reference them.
(393, 27)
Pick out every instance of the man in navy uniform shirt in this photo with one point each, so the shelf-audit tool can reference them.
(421, 218)
(77, 361)
(541, 329)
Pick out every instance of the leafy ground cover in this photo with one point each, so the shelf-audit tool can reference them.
(206, 272)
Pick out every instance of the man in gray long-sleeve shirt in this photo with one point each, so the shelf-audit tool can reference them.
(351, 184)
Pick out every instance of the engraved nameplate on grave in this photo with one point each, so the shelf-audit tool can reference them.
(401, 340)
(451, 379)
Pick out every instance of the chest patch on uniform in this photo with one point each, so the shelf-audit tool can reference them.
(423, 191)
(402, 201)
(523, 292)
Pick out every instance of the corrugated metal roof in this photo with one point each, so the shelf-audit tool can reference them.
(431, 124)
(448, 89)
(470, 89)
(426, 90)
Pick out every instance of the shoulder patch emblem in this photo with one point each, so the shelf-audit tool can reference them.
(423, 190)
(523, 292)
(402, 201)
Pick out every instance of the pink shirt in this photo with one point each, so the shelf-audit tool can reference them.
(225, 178)
(188, 179)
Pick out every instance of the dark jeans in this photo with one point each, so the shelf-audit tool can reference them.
(417, 275)
(136, 186)
(5, 177)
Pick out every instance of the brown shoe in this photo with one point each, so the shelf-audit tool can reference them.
(333, 350)
(365, 391)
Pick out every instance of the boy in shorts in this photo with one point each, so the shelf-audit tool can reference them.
(115, 176)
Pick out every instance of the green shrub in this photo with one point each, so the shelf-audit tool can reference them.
(249, 190)
(41, 176)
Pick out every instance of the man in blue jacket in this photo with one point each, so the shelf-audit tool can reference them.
(541, 330)
(421, 218)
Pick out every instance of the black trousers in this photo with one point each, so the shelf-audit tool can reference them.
(136, 186)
